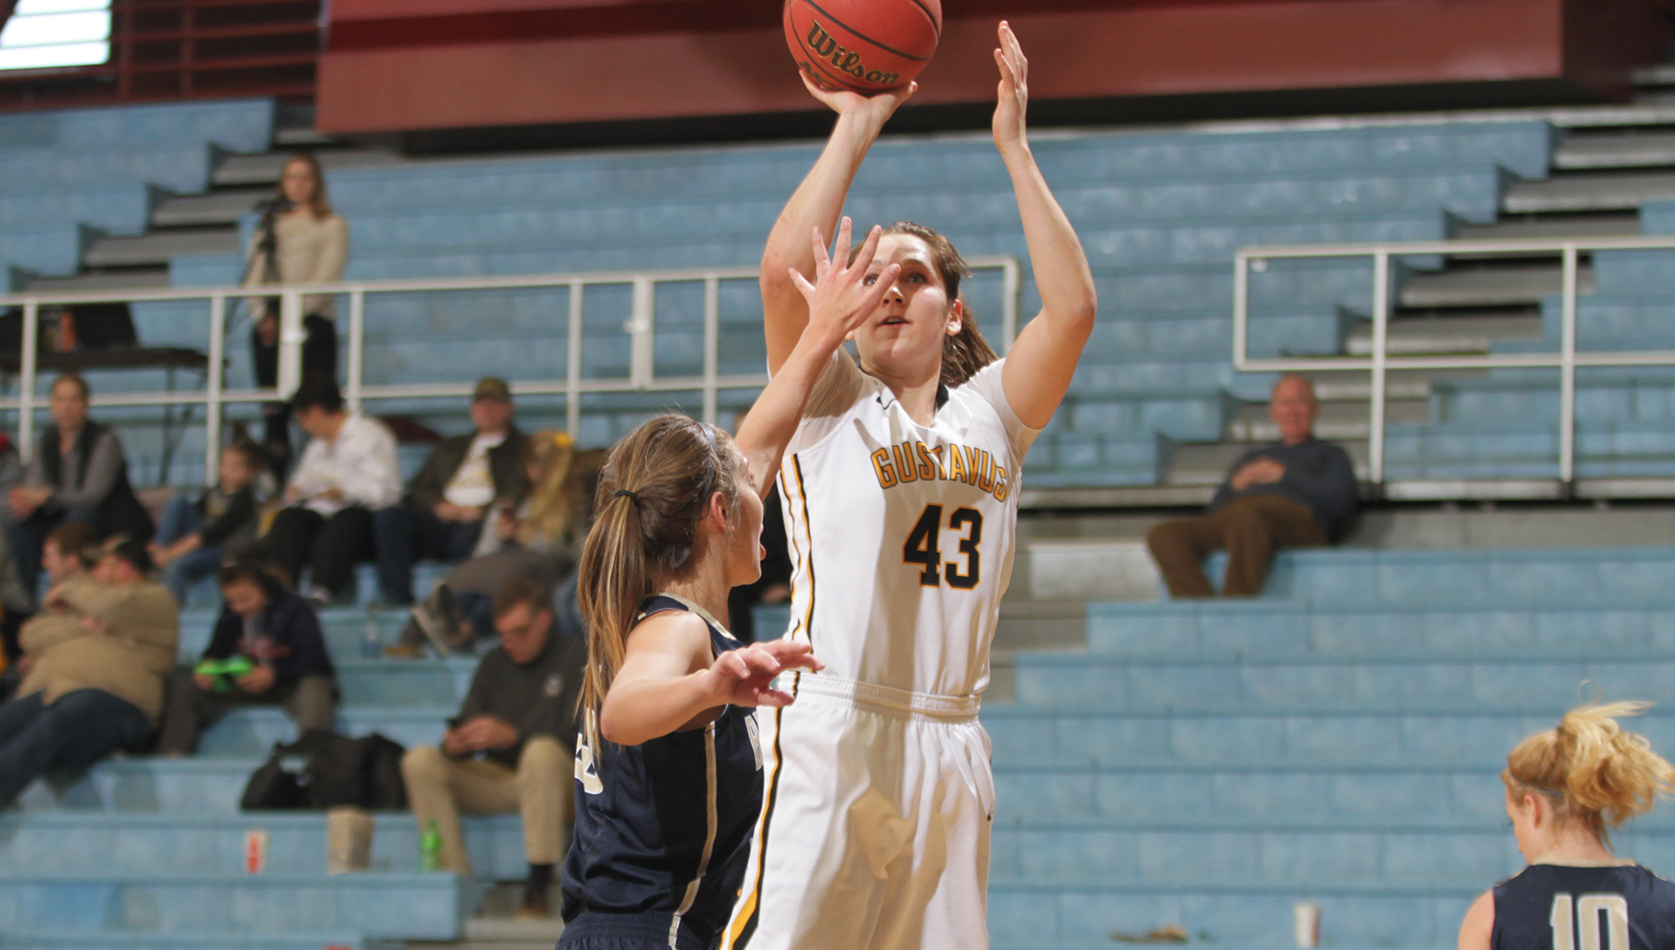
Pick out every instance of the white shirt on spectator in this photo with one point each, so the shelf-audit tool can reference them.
(473, 484)
(361, 463)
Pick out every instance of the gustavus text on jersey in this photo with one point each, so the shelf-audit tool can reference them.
(915, 461)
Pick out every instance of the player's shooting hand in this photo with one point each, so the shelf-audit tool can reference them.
(843, 294)
(258, 680)
(204, 681)
(1012, 98)
(743, 677)
(877, 109)
(97, 626)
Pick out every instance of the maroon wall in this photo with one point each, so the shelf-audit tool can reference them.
(394, 65)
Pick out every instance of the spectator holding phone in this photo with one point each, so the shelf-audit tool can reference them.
(510, 749)
(278, 655)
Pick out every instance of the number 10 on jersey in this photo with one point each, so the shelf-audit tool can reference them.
(1611, 933)
(924, 548)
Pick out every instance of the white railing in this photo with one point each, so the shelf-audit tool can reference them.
(641, 327)
(1378, 363)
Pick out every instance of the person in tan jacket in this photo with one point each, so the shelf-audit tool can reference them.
(95, 661)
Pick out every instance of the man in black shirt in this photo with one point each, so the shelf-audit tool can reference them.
(511, 747)
(1297, 492)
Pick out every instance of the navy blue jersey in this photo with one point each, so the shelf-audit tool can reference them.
(1559, 907)
(664, 827)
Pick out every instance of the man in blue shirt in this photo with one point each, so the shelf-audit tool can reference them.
(1296, 492)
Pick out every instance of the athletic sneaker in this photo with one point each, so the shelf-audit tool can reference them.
(436, 619)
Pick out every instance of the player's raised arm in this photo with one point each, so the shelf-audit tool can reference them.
(817, 203)
(836, 302)
(1043, 360)
(671, 681)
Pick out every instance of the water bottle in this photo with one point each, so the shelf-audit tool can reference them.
(372, 646)
(430, 847)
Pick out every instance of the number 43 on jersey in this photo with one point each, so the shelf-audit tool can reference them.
(924, 548)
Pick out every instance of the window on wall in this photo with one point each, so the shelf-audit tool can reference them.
(46, 33)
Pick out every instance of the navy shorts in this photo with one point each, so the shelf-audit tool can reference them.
(592, 930)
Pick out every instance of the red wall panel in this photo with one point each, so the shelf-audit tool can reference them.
(389, 65)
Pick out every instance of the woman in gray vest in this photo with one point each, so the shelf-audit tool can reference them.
(78, 473)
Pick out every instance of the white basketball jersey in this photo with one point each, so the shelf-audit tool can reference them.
(902, 535)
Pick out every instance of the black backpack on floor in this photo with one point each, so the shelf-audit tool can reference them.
(335, 770)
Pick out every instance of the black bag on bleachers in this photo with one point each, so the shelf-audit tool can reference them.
(272, 787)
(336, 770)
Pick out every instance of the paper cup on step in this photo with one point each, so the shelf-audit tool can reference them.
(1306, 920)
(255, 851)
(348, 839)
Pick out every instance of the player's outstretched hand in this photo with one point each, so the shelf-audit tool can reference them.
(744, 677)
(1012, 98)
(841, 298)
(878, 107)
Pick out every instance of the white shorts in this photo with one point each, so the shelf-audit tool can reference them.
(875, 824)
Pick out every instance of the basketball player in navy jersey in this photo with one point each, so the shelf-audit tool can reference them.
(1565, 788)
(668, 766)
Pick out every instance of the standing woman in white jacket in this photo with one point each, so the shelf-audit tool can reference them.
(299, 241)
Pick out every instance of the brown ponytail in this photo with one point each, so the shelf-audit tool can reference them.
(653, 492)
(966, 352)
(1591, 769)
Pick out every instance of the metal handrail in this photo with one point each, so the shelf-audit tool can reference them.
(1379, 362)
(641, 327)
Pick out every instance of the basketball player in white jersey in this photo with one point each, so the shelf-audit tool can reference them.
(901, 494)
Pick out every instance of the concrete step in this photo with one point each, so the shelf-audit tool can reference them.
(1338, 420)
(1497, 286)
(1027, 735)
(1597, 192)
(1343, 684)
(115, 843)
(143, 940)
(157, 248)
(1619, 150)
(139, 278)
(216, 208)
(1661, 74)
(398, 906)
(1418, 336)
(1554, 228)
(264, 169)
(1650, 109)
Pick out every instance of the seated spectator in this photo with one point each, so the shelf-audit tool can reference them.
(279, 634)
(69, 551)
(540, 541)
(78, 474)
(95, 661)
(511, 747)
(196, 537)
(349, 470)
(465, 477)
(1297, 492)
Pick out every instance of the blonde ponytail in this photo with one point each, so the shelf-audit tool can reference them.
(1592, 769)
(653, 492)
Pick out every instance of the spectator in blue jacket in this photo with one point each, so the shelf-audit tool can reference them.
(279, 633)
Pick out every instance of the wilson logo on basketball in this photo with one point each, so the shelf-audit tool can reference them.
(826, 46)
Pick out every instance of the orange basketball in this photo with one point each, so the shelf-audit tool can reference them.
(866, 46)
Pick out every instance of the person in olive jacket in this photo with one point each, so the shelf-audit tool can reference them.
(465, 477)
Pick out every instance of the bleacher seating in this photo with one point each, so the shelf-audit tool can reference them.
(1160, 214)
(61, 172)
(1340, 741)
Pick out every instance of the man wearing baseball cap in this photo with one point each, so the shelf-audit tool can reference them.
(466, 476)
